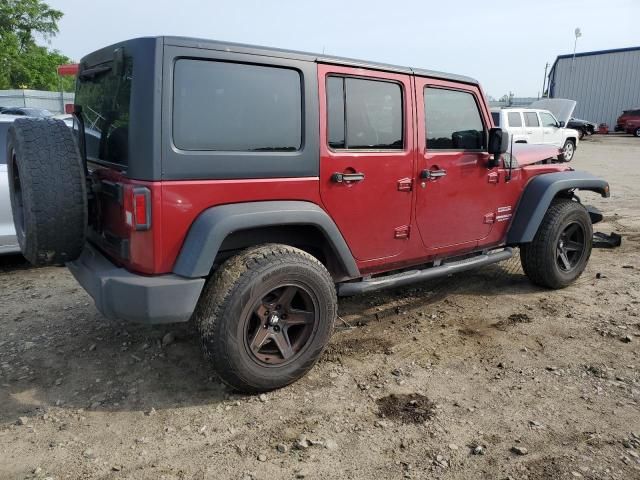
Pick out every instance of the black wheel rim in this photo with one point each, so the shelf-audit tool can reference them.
(570, 247)
(280, 325)
(18, 204)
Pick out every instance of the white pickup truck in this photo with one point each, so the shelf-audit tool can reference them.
(538, 125)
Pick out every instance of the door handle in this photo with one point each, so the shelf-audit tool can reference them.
(347, 177)
(433, 173)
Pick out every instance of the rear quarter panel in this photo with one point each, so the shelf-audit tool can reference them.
(183, 201)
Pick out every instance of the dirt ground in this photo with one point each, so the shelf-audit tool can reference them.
(476, 376)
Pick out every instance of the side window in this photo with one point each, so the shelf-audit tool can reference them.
(547, 120)
(531, 119)
(364, 114)
(496, 118)
(335, 112)
(453, 121)
(221, 106)
(515, 120)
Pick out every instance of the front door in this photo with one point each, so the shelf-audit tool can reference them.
(367, 157)
(552, 133)
(456, 192)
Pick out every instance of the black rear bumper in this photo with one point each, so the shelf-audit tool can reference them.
(120, 294)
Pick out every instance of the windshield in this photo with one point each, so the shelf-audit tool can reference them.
(104, 97)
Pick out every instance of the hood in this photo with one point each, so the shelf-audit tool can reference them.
(561, 108)
(528, 154)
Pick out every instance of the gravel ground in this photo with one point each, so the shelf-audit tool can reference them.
(476, 376)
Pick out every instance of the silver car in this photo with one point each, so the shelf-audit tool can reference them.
(8, 240)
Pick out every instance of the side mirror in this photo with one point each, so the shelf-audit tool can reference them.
(498, 144)
(498, 141)
(561, 124)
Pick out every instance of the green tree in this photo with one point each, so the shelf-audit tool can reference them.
(24, 63)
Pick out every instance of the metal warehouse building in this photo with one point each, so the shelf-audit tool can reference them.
(603, 83)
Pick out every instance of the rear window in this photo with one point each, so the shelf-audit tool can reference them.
(531, 119)
(104, 98)
(4, 128)
(515, 120)
(223, 106)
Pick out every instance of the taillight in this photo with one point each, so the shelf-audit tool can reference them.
(141, 208)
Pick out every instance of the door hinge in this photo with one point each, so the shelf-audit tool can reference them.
(490, 218)
(493, 177)
(405, 185)
(402, 232)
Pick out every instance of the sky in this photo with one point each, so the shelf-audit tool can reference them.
(503, 43)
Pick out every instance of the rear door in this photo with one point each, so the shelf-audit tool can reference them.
(532, 127)
(552, 133)
(367, 157)
(516, 126)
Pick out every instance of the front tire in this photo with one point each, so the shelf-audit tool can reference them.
(568, 151)
(561, 248)
(266, 316)
(637, 132)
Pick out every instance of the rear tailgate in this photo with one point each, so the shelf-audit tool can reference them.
(116, 103)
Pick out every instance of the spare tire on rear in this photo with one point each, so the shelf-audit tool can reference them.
(48, 190)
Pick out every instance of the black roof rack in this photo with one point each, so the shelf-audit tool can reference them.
(311, 57)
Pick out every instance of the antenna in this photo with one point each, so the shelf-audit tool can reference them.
(510, 158)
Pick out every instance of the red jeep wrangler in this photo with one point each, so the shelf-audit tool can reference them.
(243, 187)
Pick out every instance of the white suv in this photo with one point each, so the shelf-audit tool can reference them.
(532, 125)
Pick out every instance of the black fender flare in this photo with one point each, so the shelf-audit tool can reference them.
(213, 225)
(538, 195)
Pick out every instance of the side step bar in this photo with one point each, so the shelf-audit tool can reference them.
(404, 278)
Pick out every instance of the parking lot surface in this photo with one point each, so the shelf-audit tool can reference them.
(476, 376)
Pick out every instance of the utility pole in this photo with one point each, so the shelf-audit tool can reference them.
(544, 80)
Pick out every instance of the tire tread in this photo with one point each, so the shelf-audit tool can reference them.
(53, 190)
(534, 256)
(227, 281)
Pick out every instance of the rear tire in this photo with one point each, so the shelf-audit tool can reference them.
(561, 248)
(47, 189)
(568, 151)
(637, 132)
(265, 317)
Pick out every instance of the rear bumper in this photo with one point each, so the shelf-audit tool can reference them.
(120, 294)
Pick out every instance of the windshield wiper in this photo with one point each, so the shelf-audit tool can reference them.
(92, 73)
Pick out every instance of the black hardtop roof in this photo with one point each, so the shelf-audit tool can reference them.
(310, 57)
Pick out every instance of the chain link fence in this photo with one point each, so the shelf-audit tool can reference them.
(52, 101)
